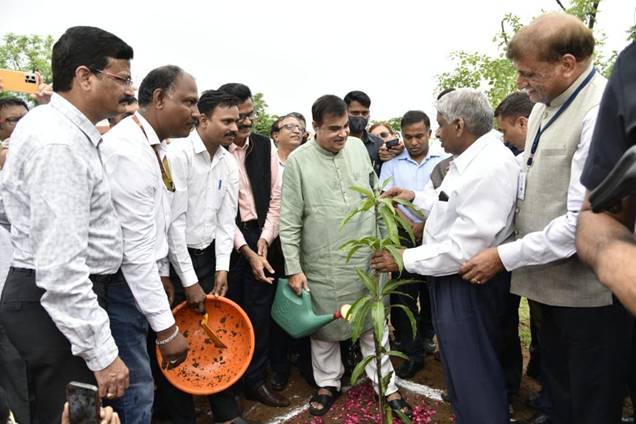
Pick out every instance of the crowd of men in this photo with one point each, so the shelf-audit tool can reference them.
(180, 199)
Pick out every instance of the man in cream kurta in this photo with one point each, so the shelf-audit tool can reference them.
(316, 197)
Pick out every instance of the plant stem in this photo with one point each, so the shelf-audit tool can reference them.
(378, 366)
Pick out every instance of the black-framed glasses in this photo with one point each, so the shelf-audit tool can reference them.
(243, 116)
(127, 82)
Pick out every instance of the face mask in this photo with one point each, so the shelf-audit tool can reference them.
(357, 124)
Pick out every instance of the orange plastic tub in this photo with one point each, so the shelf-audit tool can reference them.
(210, 368)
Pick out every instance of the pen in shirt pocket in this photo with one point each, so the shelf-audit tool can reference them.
(220, 183)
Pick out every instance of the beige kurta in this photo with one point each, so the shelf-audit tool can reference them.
(316, 196)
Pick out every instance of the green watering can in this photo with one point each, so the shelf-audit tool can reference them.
(294, 313)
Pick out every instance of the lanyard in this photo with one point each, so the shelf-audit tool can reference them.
(165, 172)
(562, 109)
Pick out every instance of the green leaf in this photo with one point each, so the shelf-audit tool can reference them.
(385, 381)
(353, 251)
(404, 418)
(368, 281)
(366, 193)
(402, 294)
(398, 354)
(367, 204)
(348, 217)
(409, 314)
(359, 320)
(406, 226)
(410, 207)
(386, 183)
(397, 255)
(391, 285)
(354, 310)
(378, 318)
(391, 226)
(386, 202)
(359, 369)
(389, 414)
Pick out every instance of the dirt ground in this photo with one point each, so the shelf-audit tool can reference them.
(359, 406)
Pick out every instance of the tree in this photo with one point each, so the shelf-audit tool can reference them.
(496, 75)
(373, 306)
(27, 53)
(264, 121)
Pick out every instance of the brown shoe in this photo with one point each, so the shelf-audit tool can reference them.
(266, 396)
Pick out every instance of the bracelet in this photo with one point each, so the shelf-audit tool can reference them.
(168, 339)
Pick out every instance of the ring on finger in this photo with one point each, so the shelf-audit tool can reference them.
(110, 395)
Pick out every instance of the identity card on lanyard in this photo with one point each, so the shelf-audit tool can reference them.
(521, 181)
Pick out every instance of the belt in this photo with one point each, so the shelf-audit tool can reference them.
(249, 225)
(199, 252)
(20, 285)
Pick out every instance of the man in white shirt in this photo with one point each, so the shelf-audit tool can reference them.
(141, 184)
(584, 332)
(201, 236)
(65, 232)
(472, 209)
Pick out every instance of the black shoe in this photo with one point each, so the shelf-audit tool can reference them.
(540, 418)
(409, 368)
(278, 380)
(266, 397)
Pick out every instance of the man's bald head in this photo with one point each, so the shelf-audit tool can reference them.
(551, 36)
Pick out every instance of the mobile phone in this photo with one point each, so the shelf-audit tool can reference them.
(392, 143)
(83, 402)
(19, 81)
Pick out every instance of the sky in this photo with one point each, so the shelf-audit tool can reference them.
(295, 51)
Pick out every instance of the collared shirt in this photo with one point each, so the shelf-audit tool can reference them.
(557, 240)
(480, 188)
(204, 204)
(405, 172)
(246, 205)
(142, 203)
(58, 201)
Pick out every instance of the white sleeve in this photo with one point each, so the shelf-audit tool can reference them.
(557, 240)
(134, 199)
(177, 242)
(481, 212)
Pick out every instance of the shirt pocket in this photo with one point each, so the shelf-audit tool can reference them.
(216, 195)
(438, 218)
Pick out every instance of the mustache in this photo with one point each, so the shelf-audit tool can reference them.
(230, 134)
(242, 127)
(127, 99)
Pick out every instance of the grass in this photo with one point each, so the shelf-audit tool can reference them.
(524, 323)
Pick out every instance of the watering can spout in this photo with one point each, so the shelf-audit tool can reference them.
(295, 315)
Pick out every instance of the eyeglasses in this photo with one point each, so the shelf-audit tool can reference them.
(127, 82)
(243, 116)
(292, 128)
